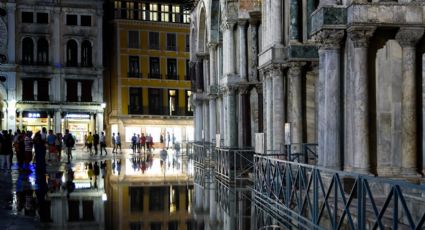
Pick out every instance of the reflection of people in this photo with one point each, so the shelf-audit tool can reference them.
(90, 172)
(70, 185)
(163, 156)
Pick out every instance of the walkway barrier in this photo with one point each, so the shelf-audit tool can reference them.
(308, 197)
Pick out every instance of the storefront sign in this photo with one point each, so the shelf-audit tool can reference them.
(76, 115)
(34, 115)
(78, 127)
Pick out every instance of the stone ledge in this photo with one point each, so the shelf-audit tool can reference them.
(272, 55)
(302, 52)
(329, 17)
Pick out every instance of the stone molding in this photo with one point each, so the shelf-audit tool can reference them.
(227, 25)
(361, 36)
(408, 37)
(212, 45)
(329, 38)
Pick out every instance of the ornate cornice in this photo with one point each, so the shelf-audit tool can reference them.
(408, 37)
(329, 38)
(361, 36)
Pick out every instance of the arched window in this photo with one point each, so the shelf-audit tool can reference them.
(86, 54)
(27, 51)
(71, 53)
(42, 52)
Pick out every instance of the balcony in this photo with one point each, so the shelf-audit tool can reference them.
(134, 75)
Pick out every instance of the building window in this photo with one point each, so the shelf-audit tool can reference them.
(187, 72)
(85, 20)
(173, 225)
(42, 90)
(187, 41)
(86, 89)
(86, 54)
(155, 226)
(172, 69)
(154, 68)
(145, 12)
(136, 193)
(42, 52)
(71, 19)
(27, 17)
(135, 107)
(27, 89)
(71, 53)
(153, 12)
(43, 18)
(189, 108)
(155, 108)
(156, 198)
(133, 66)
(154, 40)
(133, 39)
(186, 16)
(117, 9)
(171, 42)
(165, 13)
(71, 90)
(27, 51)
(130, 10)
(88, 214)
(175, 13)
(172, 103)
(73, 210)
(136, 225)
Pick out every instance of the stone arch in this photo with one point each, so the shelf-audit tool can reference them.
(42, 51)
(27, 50)
(202, 31)
(71, 53)
(86, 53)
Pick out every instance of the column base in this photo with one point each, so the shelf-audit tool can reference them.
(389, 171)
(365, 171)
(409, 172)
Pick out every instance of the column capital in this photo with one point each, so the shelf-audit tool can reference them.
(274, 70)
(227, 25)
(408, 37)
(212, 45)
(243, 89)
(361, 35)
(295, 69)
(329, 38)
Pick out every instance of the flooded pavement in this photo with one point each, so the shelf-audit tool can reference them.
(120, 191)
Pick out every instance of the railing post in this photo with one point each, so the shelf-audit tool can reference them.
(361, 206)
(315, 197)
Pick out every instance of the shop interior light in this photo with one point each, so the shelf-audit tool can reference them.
(71, 115)
(103, 105)
(104, 197)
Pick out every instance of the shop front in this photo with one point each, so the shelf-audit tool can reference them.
(78, 124)
(34, 121)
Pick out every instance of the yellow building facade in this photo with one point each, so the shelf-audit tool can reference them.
(147, 87)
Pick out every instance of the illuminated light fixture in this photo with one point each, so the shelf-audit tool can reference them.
(34, 115)
(72, 115)
(103, 105)
(104, 197)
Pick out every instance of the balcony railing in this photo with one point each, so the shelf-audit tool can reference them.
(160, 111)
(309, 197)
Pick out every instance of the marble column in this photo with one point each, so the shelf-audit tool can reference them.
(213, 95)
(220, 115)
(244, 125)
(198, 120)
(278, 108)
(231, 138)
(276, 19)
(408, 37)
(205, 107)
(329, 115)
(56, 48)
(229, 62)
(91, 123)
(295, 116)
(253, 33)
(360, 38)
(99, 122)
(11, 21)
(268, 94)
(11, 115)
(79, 90)
(58, 121)
(21, 127)
(242, 49)
(49, 123)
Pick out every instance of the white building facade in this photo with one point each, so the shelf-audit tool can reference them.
(54, 66)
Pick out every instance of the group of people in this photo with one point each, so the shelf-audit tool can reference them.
(141, 142)
(94, 170)
(93, 141)
(30, 147)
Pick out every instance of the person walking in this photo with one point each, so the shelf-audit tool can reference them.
(7, 147)
(95, 142)
(58, 143)
(40, 153)
(138, 143)
(143, 142)
(168, 140)
(85, 143)
(149, 142)
(102, 140)
(118, 141)
(28, 150)
(51, 142)
(90, 143)
(96, 172)
(133, 143)
(11, 139)
(69, 141)
(114, 144)
(21, 150)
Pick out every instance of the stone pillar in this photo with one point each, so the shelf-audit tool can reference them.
(408, 37)
(329, 100)
(35, 90)
(276, 19)
(268, 94)
(49, 123)
(198, 120)
(56, 48)
(294, 34)
(229, 66)
(91, 123)
(242, 50)
(213, 86)
(99, 122)
(79, 90)
(213, 118)
(58, 121)
(205, 107)
(4, 116)
(253, 33)
(21, 120)
(244, 125)
(278, 111)
(11, 46)
(360, 38)
(231, 138)
(213, 201)
(99, 38)
(295, 115)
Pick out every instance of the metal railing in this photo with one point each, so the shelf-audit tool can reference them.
(300, 152)
(203, 153)
(233, 166)
(310, 197)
